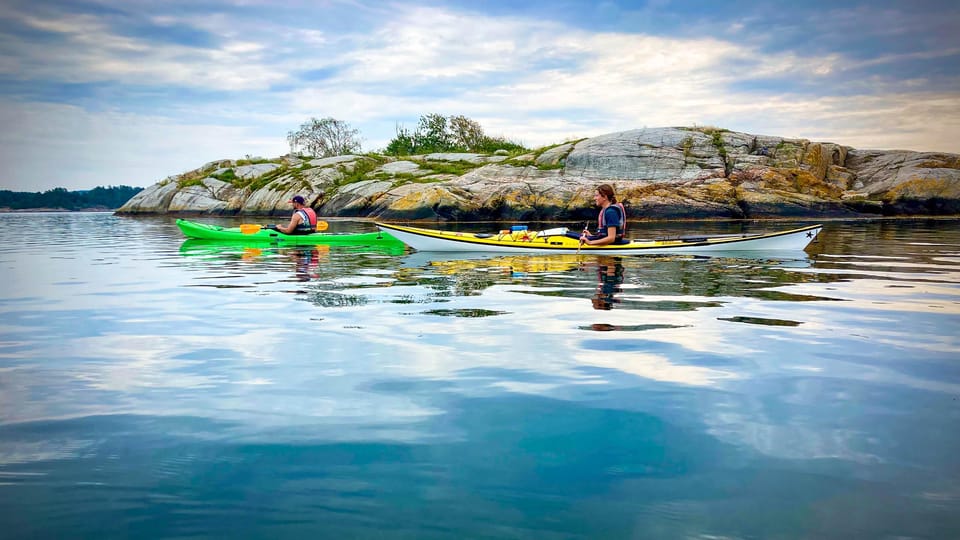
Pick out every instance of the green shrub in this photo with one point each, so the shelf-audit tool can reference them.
(361, 168)
(437, 133)
(227, 176)
(187, 182)
(717, 140)
(456, 168)
(490, 145)
(261, 181)
(254, 161)
(708, 130)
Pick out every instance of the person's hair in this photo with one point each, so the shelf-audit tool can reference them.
(607, 191)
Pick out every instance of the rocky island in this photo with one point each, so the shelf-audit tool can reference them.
(660, 173)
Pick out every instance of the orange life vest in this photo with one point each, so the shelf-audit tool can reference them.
(308, 219)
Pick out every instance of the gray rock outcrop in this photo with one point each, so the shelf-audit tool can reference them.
(659, 172)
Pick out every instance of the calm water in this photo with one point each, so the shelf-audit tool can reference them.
(152, 388)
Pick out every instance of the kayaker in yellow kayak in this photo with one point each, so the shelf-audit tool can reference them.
(303, 220)
(611, 223)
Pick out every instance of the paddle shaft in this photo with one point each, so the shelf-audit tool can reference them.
(249, 228)
(585, 223)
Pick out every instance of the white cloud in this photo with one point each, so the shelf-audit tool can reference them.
(613, 82)
(427, 44)
(535, 81)
(89, 51)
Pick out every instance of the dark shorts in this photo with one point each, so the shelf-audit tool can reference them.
(576, 235)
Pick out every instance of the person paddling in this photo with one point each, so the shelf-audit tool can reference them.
(303, 220)
(611, 223)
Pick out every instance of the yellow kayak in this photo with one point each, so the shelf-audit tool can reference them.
(556, 241)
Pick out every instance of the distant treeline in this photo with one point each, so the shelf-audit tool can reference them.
(110, 197)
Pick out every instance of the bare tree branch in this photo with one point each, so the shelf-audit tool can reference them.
(326, 137)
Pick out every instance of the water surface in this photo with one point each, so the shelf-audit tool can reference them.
(157, 388)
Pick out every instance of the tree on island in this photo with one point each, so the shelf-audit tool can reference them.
(437, 133)
(326, 137)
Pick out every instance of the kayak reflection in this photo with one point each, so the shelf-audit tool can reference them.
(510, 265)
(658, 283)
(306, 259)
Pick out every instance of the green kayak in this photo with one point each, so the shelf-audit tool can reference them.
(257, 235)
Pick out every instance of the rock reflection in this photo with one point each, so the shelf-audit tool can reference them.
(470, 313)
(760, 320)
(604, 327)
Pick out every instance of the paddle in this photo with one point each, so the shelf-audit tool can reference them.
(250, 228)
(581, 237)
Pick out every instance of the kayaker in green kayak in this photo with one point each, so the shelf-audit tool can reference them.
(303, 220)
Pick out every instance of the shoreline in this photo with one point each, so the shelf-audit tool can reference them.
(51, 210)
(193, 217)
(561, 222)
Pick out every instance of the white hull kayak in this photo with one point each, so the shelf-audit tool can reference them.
(554, 241)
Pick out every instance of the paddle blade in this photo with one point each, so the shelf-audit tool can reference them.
(322, 226)
(248, 228)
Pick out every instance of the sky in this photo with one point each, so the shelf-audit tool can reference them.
(129, 92)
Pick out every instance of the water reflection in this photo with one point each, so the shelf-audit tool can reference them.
(639, 282)
(307, 260)
(160, 388)
(220, 260)
(610, 277)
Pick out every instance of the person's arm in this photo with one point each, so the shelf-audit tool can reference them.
(610, 238)
(295, 220)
